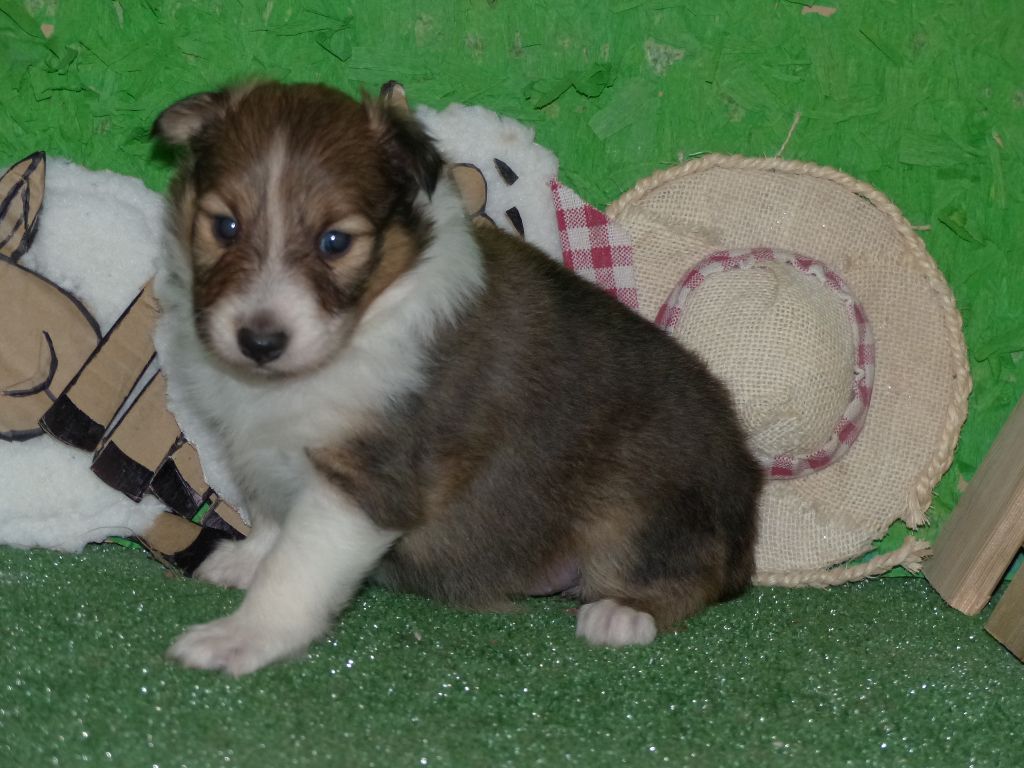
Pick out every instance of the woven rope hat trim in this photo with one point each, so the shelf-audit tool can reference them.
(796, 206)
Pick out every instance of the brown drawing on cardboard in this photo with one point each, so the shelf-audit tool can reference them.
(46, 333)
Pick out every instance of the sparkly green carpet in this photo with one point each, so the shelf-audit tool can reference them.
(922, 98)
(881, 673)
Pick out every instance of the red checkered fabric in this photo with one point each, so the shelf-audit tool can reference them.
(594, 247)
(851, 422)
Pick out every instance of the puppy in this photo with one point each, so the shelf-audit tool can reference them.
(406, 397)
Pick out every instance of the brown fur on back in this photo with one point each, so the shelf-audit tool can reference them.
(557, 428)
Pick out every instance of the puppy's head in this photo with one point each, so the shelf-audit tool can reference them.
(296, 207)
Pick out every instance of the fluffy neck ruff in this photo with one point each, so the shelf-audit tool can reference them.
(383, 360)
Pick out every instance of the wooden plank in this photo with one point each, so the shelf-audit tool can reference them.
(979, 541)
(1006, 624)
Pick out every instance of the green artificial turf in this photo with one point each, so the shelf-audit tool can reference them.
(922, 98)
(880, 673)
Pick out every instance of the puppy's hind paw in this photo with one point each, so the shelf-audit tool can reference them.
(608, 622)
(234, 645)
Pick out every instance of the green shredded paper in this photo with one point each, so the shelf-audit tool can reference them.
(887, 92)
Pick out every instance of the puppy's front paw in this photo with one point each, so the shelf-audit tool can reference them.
(608, 622)
(231, 564)
(236, 645)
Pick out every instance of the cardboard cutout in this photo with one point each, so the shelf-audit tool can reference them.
(55, 333)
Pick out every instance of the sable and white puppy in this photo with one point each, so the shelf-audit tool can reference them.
(407, 397)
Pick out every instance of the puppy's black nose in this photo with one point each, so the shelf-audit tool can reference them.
(262, 346)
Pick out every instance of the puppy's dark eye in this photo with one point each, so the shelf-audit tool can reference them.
(225, 228)
(334, 243)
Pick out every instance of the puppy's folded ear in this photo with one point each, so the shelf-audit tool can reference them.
(184, 120)
(181, 122)
(411, 153)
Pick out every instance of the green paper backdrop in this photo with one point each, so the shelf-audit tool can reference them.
(924, 100)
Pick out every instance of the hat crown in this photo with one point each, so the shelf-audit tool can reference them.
(790, 340)
(782, 343)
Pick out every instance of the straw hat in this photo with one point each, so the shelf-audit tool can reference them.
(810, 295)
